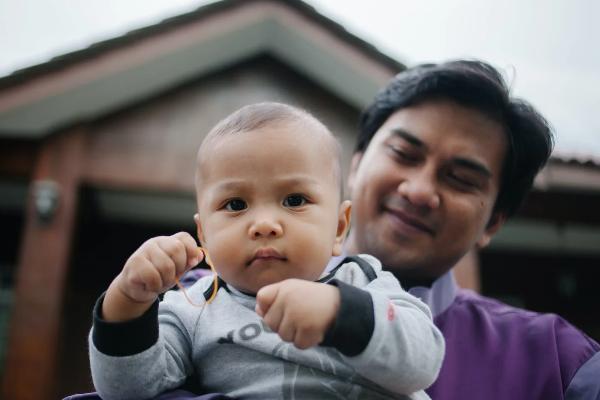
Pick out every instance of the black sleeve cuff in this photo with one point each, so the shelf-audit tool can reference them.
(354, 323)
(125, 338)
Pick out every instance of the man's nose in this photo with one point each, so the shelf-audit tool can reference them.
(265, 227)
(421, 190)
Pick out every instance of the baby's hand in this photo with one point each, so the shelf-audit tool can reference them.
(299, 311)
(154, 267)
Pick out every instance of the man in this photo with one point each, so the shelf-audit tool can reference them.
(444, 157)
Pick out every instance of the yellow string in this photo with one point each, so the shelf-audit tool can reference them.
(215, 282)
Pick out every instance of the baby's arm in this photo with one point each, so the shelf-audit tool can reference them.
(128, 360)
(388, 335)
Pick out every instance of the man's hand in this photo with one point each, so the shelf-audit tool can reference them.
(151, 270)
(299, 311)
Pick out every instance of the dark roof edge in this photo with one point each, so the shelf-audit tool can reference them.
(205, 11)
(590, 161)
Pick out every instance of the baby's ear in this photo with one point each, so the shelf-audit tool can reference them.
(342, 228)
(199, 228)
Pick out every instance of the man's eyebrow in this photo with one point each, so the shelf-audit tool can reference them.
(472, 165)
(409, 137)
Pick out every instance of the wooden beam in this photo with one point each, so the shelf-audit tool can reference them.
(17, 158)
(40, 279)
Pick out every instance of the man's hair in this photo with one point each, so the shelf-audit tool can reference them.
(479, 86)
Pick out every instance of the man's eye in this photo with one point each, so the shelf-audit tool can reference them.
(236, 205)
(463, 181)
(294, 200)
(403, 155)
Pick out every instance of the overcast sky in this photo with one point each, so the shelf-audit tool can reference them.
(548, 49)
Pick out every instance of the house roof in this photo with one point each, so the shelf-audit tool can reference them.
(115, 73)
(205, 11)
(587, 160)
(570, 173)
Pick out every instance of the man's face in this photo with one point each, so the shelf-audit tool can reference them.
(424, 189)
(269, 207)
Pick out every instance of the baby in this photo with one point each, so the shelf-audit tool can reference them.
(270, 216)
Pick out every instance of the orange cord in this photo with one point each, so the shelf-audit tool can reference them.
(215, 283)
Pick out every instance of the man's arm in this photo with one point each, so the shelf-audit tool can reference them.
(586, 382)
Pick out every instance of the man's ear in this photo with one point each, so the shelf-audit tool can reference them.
(342, 228)
(353, 168)
(199, 229)
(496, 222)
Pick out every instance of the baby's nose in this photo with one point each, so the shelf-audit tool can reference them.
(265, 228)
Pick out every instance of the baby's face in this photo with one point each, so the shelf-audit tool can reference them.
(269, 207)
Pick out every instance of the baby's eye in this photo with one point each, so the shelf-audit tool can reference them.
(294, 200)
(236, 205)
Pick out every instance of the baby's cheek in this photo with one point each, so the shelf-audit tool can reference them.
(312, 257)
(221, 255)
(222, 250)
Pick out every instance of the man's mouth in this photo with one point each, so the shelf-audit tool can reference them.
(411, 221)
(266, 254)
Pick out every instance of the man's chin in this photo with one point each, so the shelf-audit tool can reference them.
(403, 268)
(401, 265)
(412, 274)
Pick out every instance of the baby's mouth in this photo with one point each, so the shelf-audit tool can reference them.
(266, 254)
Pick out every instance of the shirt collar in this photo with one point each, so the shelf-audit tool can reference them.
(334, 261)
(245, 299)
(440, 295)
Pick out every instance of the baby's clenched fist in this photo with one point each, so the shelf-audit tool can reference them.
(299, 311)
(151, 270)
(155, 266)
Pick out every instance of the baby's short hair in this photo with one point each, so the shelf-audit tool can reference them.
(255, 116)
(259, 115)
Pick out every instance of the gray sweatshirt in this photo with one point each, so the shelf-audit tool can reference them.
(383, 345)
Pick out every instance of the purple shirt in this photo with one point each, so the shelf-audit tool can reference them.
(495, 351)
